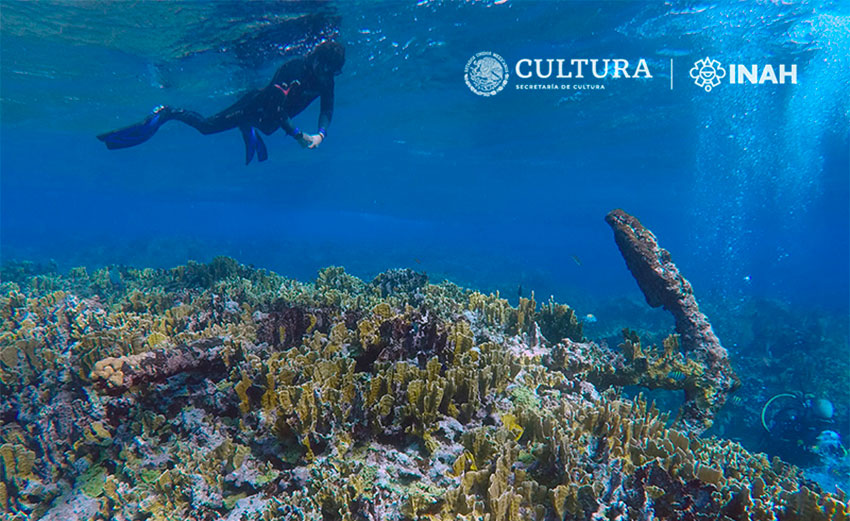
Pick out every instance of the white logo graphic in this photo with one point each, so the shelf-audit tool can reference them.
(486, 73)
(707, 73)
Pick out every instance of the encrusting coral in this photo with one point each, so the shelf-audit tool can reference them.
(217, 391)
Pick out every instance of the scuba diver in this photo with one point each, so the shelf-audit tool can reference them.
(798, 427)
(295, 85)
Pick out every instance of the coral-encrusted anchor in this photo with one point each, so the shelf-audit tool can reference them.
(663, 286)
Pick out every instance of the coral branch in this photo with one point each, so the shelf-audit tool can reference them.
(663, 286)
(118, 375)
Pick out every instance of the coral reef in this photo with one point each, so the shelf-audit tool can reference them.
(663, 285)
(217, 391)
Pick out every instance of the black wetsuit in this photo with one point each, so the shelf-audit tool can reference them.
(291, 91)
(295, 85)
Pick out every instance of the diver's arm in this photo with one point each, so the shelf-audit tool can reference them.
(326, 111)
(325, 115)
(289, 127)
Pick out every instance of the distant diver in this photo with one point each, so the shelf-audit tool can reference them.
(296, 84)
(799, 427)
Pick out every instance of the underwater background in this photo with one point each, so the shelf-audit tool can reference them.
(747, 186)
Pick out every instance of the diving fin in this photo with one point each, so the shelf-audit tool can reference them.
(262, 152)
(253, 143)
(135, 134)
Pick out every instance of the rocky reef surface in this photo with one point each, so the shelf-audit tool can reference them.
(220, 391)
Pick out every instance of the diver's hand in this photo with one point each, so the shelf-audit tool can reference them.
(311, 140)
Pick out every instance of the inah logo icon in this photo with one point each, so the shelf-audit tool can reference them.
(486, 73)
(707, 73)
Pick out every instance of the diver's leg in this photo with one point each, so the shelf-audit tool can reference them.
(234, 116)
(219, 123)
(141, 132)
(227, 119)
(231, 117)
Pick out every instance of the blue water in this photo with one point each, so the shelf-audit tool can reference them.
(747, 187)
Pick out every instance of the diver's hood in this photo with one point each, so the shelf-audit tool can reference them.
(330, 55)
